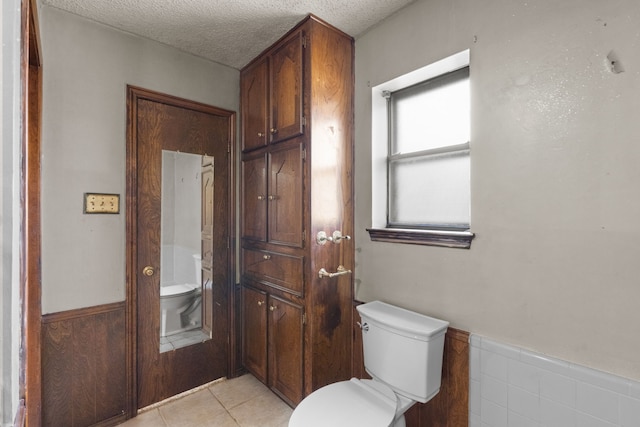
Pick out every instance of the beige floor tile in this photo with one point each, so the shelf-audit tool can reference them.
(266, 410)
(236, 391)
(150, 418)
(248, 403)
(200, 409)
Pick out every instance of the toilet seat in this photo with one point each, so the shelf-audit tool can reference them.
(176, 290)
(353, 403)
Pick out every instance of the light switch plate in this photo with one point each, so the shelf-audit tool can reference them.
(95, 203)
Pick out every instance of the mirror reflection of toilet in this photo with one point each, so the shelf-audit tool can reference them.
(180, 305)
(403, 354)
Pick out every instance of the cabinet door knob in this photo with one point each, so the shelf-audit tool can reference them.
(273, 197)
(273, 131)
(148, 271)
(265, 256)
(260, 134)
(260, 197)
(260, 303)
(272, 308)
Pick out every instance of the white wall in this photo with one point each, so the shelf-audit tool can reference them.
(10, 152)
(554, 176)
(86, 69)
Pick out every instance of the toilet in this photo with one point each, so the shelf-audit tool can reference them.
(180, 304)
(402, 353)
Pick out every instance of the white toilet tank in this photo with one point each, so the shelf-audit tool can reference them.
(403, 349)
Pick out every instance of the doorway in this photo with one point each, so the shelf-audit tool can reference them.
(180, 222)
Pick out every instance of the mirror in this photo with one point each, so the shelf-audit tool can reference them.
(181, 291)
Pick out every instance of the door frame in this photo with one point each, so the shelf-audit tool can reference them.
(133, 95)
(30, 384)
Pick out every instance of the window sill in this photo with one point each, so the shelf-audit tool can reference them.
(447, 239)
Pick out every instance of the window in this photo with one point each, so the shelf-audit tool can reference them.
(421, 134)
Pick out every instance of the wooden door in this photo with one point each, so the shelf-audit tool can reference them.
(159, 122)
(254, 98)
(254, 332)
(285, 349)
(287, 89)
(285, 201)
(254, 198)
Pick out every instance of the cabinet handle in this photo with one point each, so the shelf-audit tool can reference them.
(260, 303)
(260, 197)
(273, 131)
(272, 308)
(265, 256)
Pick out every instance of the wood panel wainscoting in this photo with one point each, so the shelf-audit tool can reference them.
(84, 367)
(450, 407)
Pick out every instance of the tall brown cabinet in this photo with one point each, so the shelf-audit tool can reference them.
(297, 210)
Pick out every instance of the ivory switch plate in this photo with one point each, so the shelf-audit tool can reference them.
(101, 203)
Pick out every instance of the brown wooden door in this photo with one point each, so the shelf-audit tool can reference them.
(254, 98)
(287, 89)
(254, 332)
(254, 198)
(285, 196)
(285, 348)
(159, 122)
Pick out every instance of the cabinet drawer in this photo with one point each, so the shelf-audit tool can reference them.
(271, 268)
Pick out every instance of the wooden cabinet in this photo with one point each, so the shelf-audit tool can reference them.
(271, 91)
(297, 162)
(254, 91)
(285, 332)
(254, 339)
(273, 341)
(272, 196)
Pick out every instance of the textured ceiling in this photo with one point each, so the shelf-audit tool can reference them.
(231, 32)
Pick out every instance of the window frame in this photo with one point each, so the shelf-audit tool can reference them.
(382, 229)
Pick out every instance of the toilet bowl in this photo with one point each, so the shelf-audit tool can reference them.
(175, 301)
(403, 354)
(180, 305)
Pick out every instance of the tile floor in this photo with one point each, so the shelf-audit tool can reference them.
(238, 402)
(182, 339)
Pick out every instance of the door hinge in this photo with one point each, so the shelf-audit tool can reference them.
(304, 42)
(304, 235)
(304, 121)
(303, 154)
(228, 147)
(304, 318)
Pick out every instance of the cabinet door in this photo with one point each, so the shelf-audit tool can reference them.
(206, 239)
(254, 198)
(254, 332)
(286, 90)
(254, 100)
(285, 349)
(285, 196)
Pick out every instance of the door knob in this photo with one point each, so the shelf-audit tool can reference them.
(148, 271)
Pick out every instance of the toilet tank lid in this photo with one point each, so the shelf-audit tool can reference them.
(402, 320)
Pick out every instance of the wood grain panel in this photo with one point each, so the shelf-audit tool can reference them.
(83, 366)
(272, 268)
(450, 407)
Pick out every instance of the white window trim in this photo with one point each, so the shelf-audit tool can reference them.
(379, 150)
